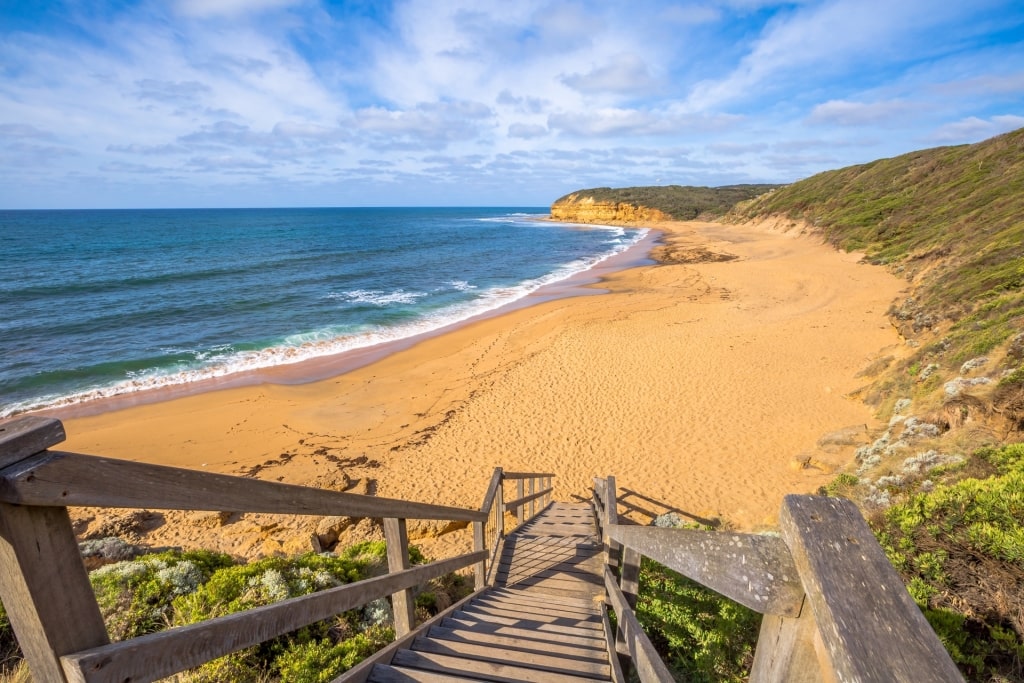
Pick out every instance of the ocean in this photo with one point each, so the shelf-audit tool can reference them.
(103, 303)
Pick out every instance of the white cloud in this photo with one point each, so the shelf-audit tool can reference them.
(846, 113)
(973, 129)
(609, 122)
(624, 74)
(527, 131)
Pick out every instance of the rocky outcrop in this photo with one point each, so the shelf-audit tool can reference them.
(578, 208)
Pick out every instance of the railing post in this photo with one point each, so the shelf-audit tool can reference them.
(402, 604)
(43, 583)
(500, 506)
(480, 569)
(521, 509)
(533, 489)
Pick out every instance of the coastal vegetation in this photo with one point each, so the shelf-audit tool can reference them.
(174, 588)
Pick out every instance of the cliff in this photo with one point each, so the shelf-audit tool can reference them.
(577, 208)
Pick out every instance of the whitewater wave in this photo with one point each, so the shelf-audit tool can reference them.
(224, 360)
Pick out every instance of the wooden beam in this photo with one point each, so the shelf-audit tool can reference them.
(644, 657)
(516, 505)
(402, 602)
(786, 653)
(521, 501)
(45, 589)
(870, 626)
(754, 570)
(525, 475)
(492, 490)
(27, 435)
(157, 655)
(480, 570)
(62, 479)
(533, 496)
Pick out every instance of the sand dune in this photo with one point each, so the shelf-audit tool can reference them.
(697, 385)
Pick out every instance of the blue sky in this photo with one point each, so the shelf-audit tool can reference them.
(435, 102)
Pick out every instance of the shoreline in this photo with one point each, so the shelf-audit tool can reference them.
(702, 384)
(583, 283)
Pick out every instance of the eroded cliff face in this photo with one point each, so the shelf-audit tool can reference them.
(583, 209)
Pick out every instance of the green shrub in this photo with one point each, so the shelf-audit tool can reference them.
(960, 550)
(702, 636)
(840, 486)
(135, 596)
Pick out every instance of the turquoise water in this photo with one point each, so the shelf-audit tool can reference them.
(104, 303)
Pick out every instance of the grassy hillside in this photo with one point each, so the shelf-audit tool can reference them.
(942, 484)
(682, 203)
(949, 219)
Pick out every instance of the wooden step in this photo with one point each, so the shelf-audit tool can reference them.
(549, 663)
(384, 673)
(514, 594)
(586, 621)
(549, 627)
(589, 641)
(595, 652)
(523, 606)
(487, 671)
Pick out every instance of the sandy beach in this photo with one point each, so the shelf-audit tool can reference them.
(702, 384)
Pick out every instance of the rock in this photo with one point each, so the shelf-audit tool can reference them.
(1015, 350)
(973, 364)
(847, 436)
(210, 520)
(329, 530)
(432, 528)
(128, 524)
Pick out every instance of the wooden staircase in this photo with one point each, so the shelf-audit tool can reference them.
(541, 621)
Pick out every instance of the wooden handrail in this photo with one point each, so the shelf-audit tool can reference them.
(46, 590)
(824, 580)
(55, 478)
(157, 655)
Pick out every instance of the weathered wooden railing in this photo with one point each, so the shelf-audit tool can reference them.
(834, 608)
(46, 591)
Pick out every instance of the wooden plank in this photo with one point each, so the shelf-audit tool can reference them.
(785, 651)
(618, 674)
(403, 605)
(754, 570)
(489, 671)
(588, 622)
(533, 497)
(59, 478)
(549, 646)
(523, 499)
(45, 589)
(492, 490)
(529, 611)
(383, 673)
(488, 653)
(644, 657)
(520, 512)
(157, 655)
(362, 671)
(27, 435)
(548, 627)
(541, 634)
(480, 570)
(524, 475)
(513, 594)
(870, 626)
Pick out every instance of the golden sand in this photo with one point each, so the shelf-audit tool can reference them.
(700, 386)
